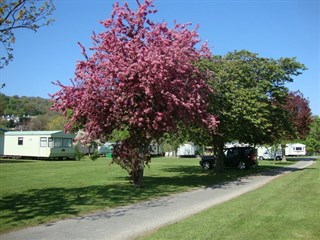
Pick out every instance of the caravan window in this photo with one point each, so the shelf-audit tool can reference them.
(50, 142)
(67, 142)
(63, 142)
(57, 142)
(43, 142)
(20, 140)
(298, 148)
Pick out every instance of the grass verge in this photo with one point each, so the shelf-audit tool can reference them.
(34, 192)
(287, 208)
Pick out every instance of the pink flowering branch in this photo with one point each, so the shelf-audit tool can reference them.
(141, 75)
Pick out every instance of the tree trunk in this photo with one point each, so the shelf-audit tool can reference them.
(218, 146)
(283, 150)
(132, 154)
(138, 175)
(142, 158)
(274, 154)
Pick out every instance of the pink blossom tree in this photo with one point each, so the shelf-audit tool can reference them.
(142, 78)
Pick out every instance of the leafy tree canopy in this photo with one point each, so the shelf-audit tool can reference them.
(313, 139)
(249, 95)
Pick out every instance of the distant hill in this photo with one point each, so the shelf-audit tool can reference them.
(23, 106)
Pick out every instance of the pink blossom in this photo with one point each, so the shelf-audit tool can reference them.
(140, 76)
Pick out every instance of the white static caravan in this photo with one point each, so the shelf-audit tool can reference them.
(156, 149)
(39, 144)
(295, 149)
(2, 131)
(265, 152)
(187, 150)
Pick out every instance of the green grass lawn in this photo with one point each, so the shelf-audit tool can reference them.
(34, 192)
(286, 208)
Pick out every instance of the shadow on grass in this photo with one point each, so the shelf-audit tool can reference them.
(44, 205)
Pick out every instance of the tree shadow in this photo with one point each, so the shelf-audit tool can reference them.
(282, 167)
(302, 158)
(36, 206)
(43, 205)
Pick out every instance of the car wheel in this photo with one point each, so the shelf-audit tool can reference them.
(206, 166)
(278, 158)
(241, 165)
(261, 158)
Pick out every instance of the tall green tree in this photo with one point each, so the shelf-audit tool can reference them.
(313, 139)
(249, 91)
(21, 14)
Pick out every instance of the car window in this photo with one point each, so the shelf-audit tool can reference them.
(232, 152)
(247, 151)
(229, 152)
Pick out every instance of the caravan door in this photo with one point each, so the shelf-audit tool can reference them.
(44, 150)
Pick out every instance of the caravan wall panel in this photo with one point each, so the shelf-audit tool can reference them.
(24, 146)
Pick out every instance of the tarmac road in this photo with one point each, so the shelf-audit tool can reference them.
(134, 220)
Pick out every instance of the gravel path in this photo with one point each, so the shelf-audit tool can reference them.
(131, 221)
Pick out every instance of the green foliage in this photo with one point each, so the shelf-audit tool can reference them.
(41, 117)
(56, 122)
(248, 97)
(186, 133)
(20, 106)
(171, 141)
(94, 156)
(37, 123)
(119, 135)
(78, 155)
(248, 94)
(313, 139)
(4, 100)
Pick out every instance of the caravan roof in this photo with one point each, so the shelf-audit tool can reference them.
(296, 145)
(37, 133)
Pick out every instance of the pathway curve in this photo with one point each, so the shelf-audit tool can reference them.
(131, 221)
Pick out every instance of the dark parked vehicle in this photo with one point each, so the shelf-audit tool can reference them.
(240, 157)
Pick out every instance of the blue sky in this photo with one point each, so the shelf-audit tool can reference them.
(271, 28)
